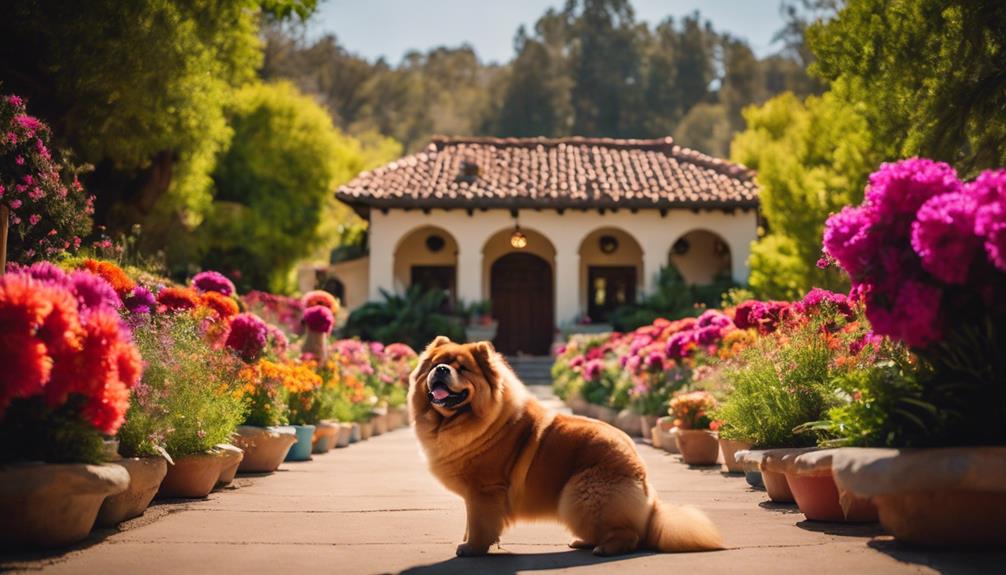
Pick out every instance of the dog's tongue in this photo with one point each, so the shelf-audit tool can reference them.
(440, 393)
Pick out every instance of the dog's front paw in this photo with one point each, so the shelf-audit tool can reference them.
(469, 550)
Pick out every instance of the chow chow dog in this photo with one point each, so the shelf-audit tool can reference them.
(490, 442)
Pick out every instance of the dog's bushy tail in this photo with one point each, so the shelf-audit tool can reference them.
(677, 529)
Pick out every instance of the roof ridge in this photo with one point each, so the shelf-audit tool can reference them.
(666, 144)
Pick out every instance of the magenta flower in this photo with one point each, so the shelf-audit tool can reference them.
(817, 297)
(140, 300)
(912, 317)
(213, 281)
(943, 235)
(93, 292)
(989, 190)
(847, 239)
(899, 189)
(319, 319)
(248, 336)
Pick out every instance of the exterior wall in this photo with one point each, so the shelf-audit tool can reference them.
(412, 251)
(355, 277)
(566, 233)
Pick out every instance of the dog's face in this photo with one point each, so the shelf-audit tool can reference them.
(455, 378)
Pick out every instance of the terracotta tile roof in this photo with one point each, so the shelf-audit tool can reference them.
(553, 173)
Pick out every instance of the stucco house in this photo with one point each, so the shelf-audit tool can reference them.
(551, 231)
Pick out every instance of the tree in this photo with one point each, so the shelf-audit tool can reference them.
(274, 184)
(930, 75)
(706, 128)
(536, 100)
(812, 158)
(138, 88)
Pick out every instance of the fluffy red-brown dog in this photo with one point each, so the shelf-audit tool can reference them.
(493, 444)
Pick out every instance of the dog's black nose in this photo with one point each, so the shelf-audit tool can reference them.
(442, 369)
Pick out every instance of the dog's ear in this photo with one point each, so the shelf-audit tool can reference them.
(437, 342)
(484, 354)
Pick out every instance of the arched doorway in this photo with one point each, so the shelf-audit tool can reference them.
(701, 257)
(522, 300)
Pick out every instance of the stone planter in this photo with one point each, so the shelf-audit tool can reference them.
(774, 481)
(301, 450)
(754, 479)
(145, 476)
(810, 480)
(949, 497)
(603, 413)
(231, 457)
(265, 447)
(192, 476)
(481, 332)
(655, 434)
(355, 434)
(578, 405)
(324, 436)
(53, 505)
(345, 435)
(394, 419)
(380, 421)
(728, 447)
(646, 425)
(698, 446)
(366, 430)
(627, 421)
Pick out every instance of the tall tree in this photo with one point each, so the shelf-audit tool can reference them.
(930, 74)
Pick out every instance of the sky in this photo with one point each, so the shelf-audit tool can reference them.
(390, 28)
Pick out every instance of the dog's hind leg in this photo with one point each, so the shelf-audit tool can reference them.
(606, 512)
(617, 542)
(581, 544)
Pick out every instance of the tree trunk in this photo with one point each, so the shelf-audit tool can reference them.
(157, 181)
(4, 224)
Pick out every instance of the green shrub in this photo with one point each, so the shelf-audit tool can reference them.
(187, 401)
(673, 299)
(414, 318)
(779, 383)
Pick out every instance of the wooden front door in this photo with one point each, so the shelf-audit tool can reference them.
(523, 304)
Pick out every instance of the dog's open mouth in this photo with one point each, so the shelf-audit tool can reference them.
(442, 395)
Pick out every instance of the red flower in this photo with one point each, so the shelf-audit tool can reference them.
(113, 274)
(223, 306)
(178, 298)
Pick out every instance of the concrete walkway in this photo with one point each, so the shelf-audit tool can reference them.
(373, 508)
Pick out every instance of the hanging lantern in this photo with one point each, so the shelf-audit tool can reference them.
(517, 239)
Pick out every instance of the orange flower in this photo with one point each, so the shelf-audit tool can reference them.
(178, 298)
(113, 274)
(322, 298)
(221, 305)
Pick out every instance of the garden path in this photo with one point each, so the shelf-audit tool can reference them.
(373, 508)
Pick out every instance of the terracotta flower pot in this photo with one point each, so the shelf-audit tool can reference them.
(301, 450)
(355, 434)
(666, 439)
(52, 505)
(698, 446)
(380, 422)
(774, 481)
(366, 430)
(345, 435)
(192, 476)
(231, 459)
(810, 480)
(265, 447)
(948, 497)
(324, 436)
(145, 476)
(729, 447)
(646, 425)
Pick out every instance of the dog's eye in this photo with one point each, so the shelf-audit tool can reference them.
(460, 368)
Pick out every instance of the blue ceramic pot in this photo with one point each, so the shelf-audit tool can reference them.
(754, 479)
(301, 451)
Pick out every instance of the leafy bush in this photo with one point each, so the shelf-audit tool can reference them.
(187, 401)
(414, 318)
(265, 396)
(673, 299)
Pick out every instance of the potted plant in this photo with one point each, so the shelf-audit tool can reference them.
(318, 322)
(303, 390)
(264, 435)
(69, 368)
(185, 405)
(697, 443)
(479, 322)
(925, 252)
